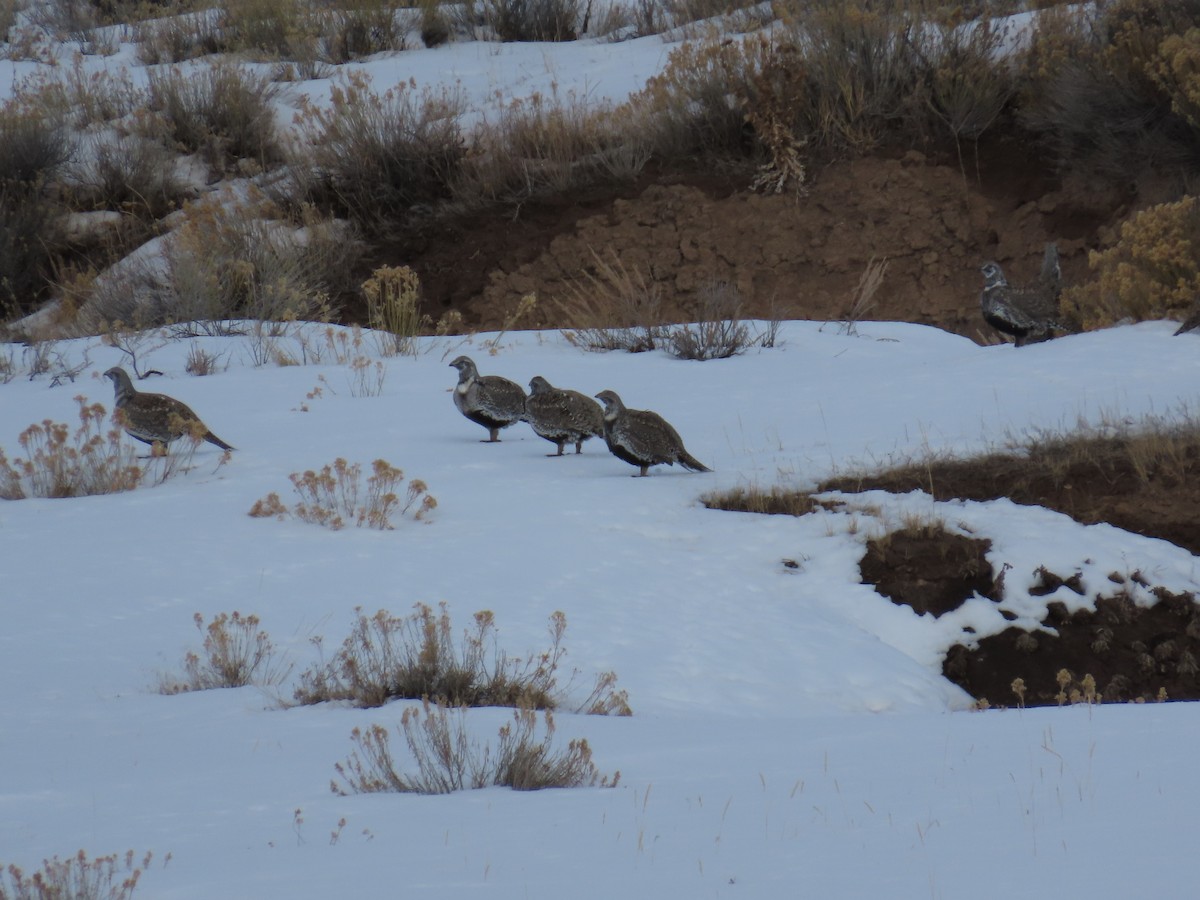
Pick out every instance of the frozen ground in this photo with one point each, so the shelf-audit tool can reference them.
(792, 734)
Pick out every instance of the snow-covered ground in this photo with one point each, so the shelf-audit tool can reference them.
(792, 734)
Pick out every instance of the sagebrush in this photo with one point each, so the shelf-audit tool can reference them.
(386, 657)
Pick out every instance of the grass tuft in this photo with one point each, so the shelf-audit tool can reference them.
(448, 759)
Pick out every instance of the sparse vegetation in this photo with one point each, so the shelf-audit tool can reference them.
(393, 295)
(335, 497)
(77, 877)
(61, 463)
(448, 759)
(388, 657)
(223, 112)
(236, 653)
(370, 156)
(1151, 272)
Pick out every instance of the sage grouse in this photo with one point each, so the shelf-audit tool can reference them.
(561, 416)
(1030, 314)
(488, 400)
(1191, 322)
(155, 418)
(643, 438)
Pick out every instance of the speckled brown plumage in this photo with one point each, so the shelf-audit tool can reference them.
(488, 400)
(643, 438)
(562, 416)
(155, 418)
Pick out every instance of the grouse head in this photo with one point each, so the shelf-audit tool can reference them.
(612, 404)
(993, 275)
(466, 368)
(539, 385)
(121, 381)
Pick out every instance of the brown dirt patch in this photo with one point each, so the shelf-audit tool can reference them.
(931, 570)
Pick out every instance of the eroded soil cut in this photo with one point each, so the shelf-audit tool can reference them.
(794, 255)
(1131, 652)
(1122, 652)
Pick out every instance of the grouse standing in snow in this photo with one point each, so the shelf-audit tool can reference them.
(488, 400)
(1030, 314)
(561, 416)
(643, 438)
(156, 418)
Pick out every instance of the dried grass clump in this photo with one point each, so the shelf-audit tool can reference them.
(614, 308)
(334, 497)
(59, 463)
(388, 657)
(223, 112)
(754, 499)
(1151, 272)
(448, 759)
(76, 878)
(393, 295)
(373, 157)
(236, 653)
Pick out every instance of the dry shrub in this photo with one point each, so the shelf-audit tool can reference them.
(448, 759)
(76, 878)
(717, 331)
(1152, 272)
(393, 295)
(33, 151)
(1177, 71)
(1092, 95)
(682, 12)
(236, 653)
(388, 657)
(179, 38)
(335, 496)
(201, 362)
(548, 145)
(349, 31)
(375, 156)
(271, 29)
(693, 105)
(967, 75)
(528, 20)
(59, 463)
(223, 112)
(229, 260)
(861, 71)
(130, 174)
